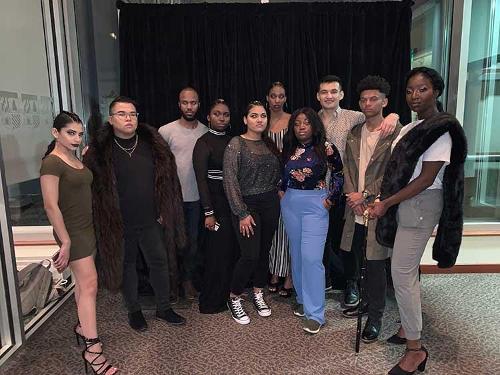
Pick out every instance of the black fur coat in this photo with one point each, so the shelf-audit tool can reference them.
(400, 169)
(106, 210)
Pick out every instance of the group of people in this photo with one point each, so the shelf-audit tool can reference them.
(273, 202)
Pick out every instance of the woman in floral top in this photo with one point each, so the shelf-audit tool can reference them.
(305, 203)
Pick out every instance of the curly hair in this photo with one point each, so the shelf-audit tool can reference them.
(374, 83)
(290, 141)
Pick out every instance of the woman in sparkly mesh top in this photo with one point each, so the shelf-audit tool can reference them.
(251, 172)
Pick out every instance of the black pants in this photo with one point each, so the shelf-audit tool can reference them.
(254, 250)
(151, 243)
(375, 284)
(220, 253)
(333, 256)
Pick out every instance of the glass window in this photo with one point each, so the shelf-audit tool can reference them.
(482, 111)
(26, 109)
(430, 35)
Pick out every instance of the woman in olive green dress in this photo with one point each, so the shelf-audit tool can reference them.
(66, 184)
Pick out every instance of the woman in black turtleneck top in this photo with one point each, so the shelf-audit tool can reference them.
(221, 246)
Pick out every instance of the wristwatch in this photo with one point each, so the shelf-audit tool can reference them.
(365, 194)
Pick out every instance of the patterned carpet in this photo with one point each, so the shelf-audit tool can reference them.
(461, 332)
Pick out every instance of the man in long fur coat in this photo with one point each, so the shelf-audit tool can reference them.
(137, 205)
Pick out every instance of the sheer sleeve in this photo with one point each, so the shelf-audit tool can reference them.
(201, 154)
(231, 165)
(337, 175)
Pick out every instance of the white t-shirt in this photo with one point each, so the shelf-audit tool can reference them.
(369, 141)
(440, 150)
(181, 141)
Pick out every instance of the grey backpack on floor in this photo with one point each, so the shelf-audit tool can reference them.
(35, 284)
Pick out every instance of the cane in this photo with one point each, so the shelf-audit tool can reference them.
(362, 274)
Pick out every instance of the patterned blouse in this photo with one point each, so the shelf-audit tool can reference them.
(304, 170)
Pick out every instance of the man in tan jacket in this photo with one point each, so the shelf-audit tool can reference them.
(365, 160)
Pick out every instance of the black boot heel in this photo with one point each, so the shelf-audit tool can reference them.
(396, 370)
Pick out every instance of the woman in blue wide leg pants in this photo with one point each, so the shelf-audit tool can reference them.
(305, 204)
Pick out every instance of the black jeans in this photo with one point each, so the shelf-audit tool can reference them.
(254, 250)
(189, 255)
(150, 242)
(375, 285)
(333, 256)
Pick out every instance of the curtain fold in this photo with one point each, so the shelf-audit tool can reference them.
(234, 51)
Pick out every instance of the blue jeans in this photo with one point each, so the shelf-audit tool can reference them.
(306, 224)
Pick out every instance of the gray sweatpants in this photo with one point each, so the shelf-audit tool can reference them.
(416, 218)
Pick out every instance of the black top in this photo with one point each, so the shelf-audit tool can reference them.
(208, 157)
(250, 168)
(135, 182)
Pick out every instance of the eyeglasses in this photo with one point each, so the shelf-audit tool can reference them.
(124, 115)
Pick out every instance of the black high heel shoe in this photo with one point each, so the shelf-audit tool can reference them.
(396, 370)
(102, 365)
(78, 335)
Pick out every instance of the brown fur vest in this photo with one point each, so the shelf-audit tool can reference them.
(107, 216)
(400, 169)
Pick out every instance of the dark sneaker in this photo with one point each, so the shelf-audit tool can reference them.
(237, 311)
(353, 312)
(311, 326)
(351, 294)
(260, 304)
(136, 321)
(171, 317)
(371, 332)
(298, 310)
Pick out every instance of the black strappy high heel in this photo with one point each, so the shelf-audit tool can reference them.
(396, 370)
(102, 365)
(78, 335)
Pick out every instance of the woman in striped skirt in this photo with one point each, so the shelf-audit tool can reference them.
(279, 256)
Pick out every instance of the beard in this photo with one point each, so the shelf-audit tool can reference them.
(190, 118)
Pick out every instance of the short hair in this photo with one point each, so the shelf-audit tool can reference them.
(435, 78)
(215, 102)
(188, 88)
(121, 99)
(330, 78)
(374, 83)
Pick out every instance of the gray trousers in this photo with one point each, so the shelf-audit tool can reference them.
(416, 218)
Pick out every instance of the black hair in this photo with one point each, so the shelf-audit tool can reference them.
(290, 141)
(265, 136)
(121, 99)
(188, 88)
(215, 102)
(374, 83)
(61, 121)
(330, 78)
(276, 84)
(433, 76)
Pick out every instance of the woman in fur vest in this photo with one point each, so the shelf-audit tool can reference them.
(422, 186)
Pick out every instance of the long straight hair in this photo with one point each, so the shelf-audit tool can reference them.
(265, 135)
(60, 122)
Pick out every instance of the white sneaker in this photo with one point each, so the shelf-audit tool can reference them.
(237, 311)
(260, 304)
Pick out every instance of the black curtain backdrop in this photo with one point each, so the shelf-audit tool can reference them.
(234, 51)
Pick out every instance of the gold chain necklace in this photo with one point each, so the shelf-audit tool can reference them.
(129, 150)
